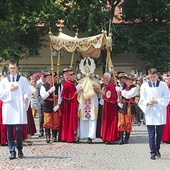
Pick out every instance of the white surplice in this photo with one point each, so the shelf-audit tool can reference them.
(87, 110)
(14, 109)
(156, 114)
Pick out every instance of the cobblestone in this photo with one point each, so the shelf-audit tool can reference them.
(82, 156)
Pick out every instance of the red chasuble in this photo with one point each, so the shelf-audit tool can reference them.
(109, 131)
(69, 118)
(166, 133)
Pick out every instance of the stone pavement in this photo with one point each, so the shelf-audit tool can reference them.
(83, 156)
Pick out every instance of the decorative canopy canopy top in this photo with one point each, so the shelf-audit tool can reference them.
(89, 46)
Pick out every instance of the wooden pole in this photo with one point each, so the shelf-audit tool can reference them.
(72, 60)
(73, 53)
(110, 65)
(58, 65)
(52, 64)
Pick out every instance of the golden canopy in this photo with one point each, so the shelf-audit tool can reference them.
(89, 46)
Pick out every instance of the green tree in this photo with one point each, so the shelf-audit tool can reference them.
(23, 24)
(88, 16)
(147, 31)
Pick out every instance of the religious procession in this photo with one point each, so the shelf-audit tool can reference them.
(73, 108)
(84, 85)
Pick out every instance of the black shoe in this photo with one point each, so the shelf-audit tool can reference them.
(20, 154)
(48, 140)
(41, 135)
(121, 142)
(89, 141)
(12, 156)
(54, 139)
(158, 154)
(138, 124)
(153, 157)
(126, 142)
(5, 144)
(77, 139)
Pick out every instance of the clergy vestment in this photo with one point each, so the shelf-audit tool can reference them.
(87, 112)
(69, 118)
(155, 114)
(109, 131)
(14, 108)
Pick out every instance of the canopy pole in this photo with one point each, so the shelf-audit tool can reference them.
(52, 65)
(110, 65)
(72, 60)
(58, 65)
(73, 53)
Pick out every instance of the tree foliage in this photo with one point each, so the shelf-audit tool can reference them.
(88, 16)
(147, 30)
(21, 31)
(24, 23)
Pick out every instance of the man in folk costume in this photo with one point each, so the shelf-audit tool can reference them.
(120, 85)
(16, 94)
(126, 111)
(69, 118)
(109, 131)
(88, 101)
(51, 94)
(154, 98)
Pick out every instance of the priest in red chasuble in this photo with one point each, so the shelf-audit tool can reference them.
(69, 118)
(109, 131)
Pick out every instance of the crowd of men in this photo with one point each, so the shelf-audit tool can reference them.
(82, 107)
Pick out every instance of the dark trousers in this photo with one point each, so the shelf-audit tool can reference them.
(41, 120)
(10, 137)
(154, 143)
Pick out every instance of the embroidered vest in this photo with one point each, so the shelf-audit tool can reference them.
(48, 104)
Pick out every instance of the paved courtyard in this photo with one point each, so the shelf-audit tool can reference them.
(83, 156)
